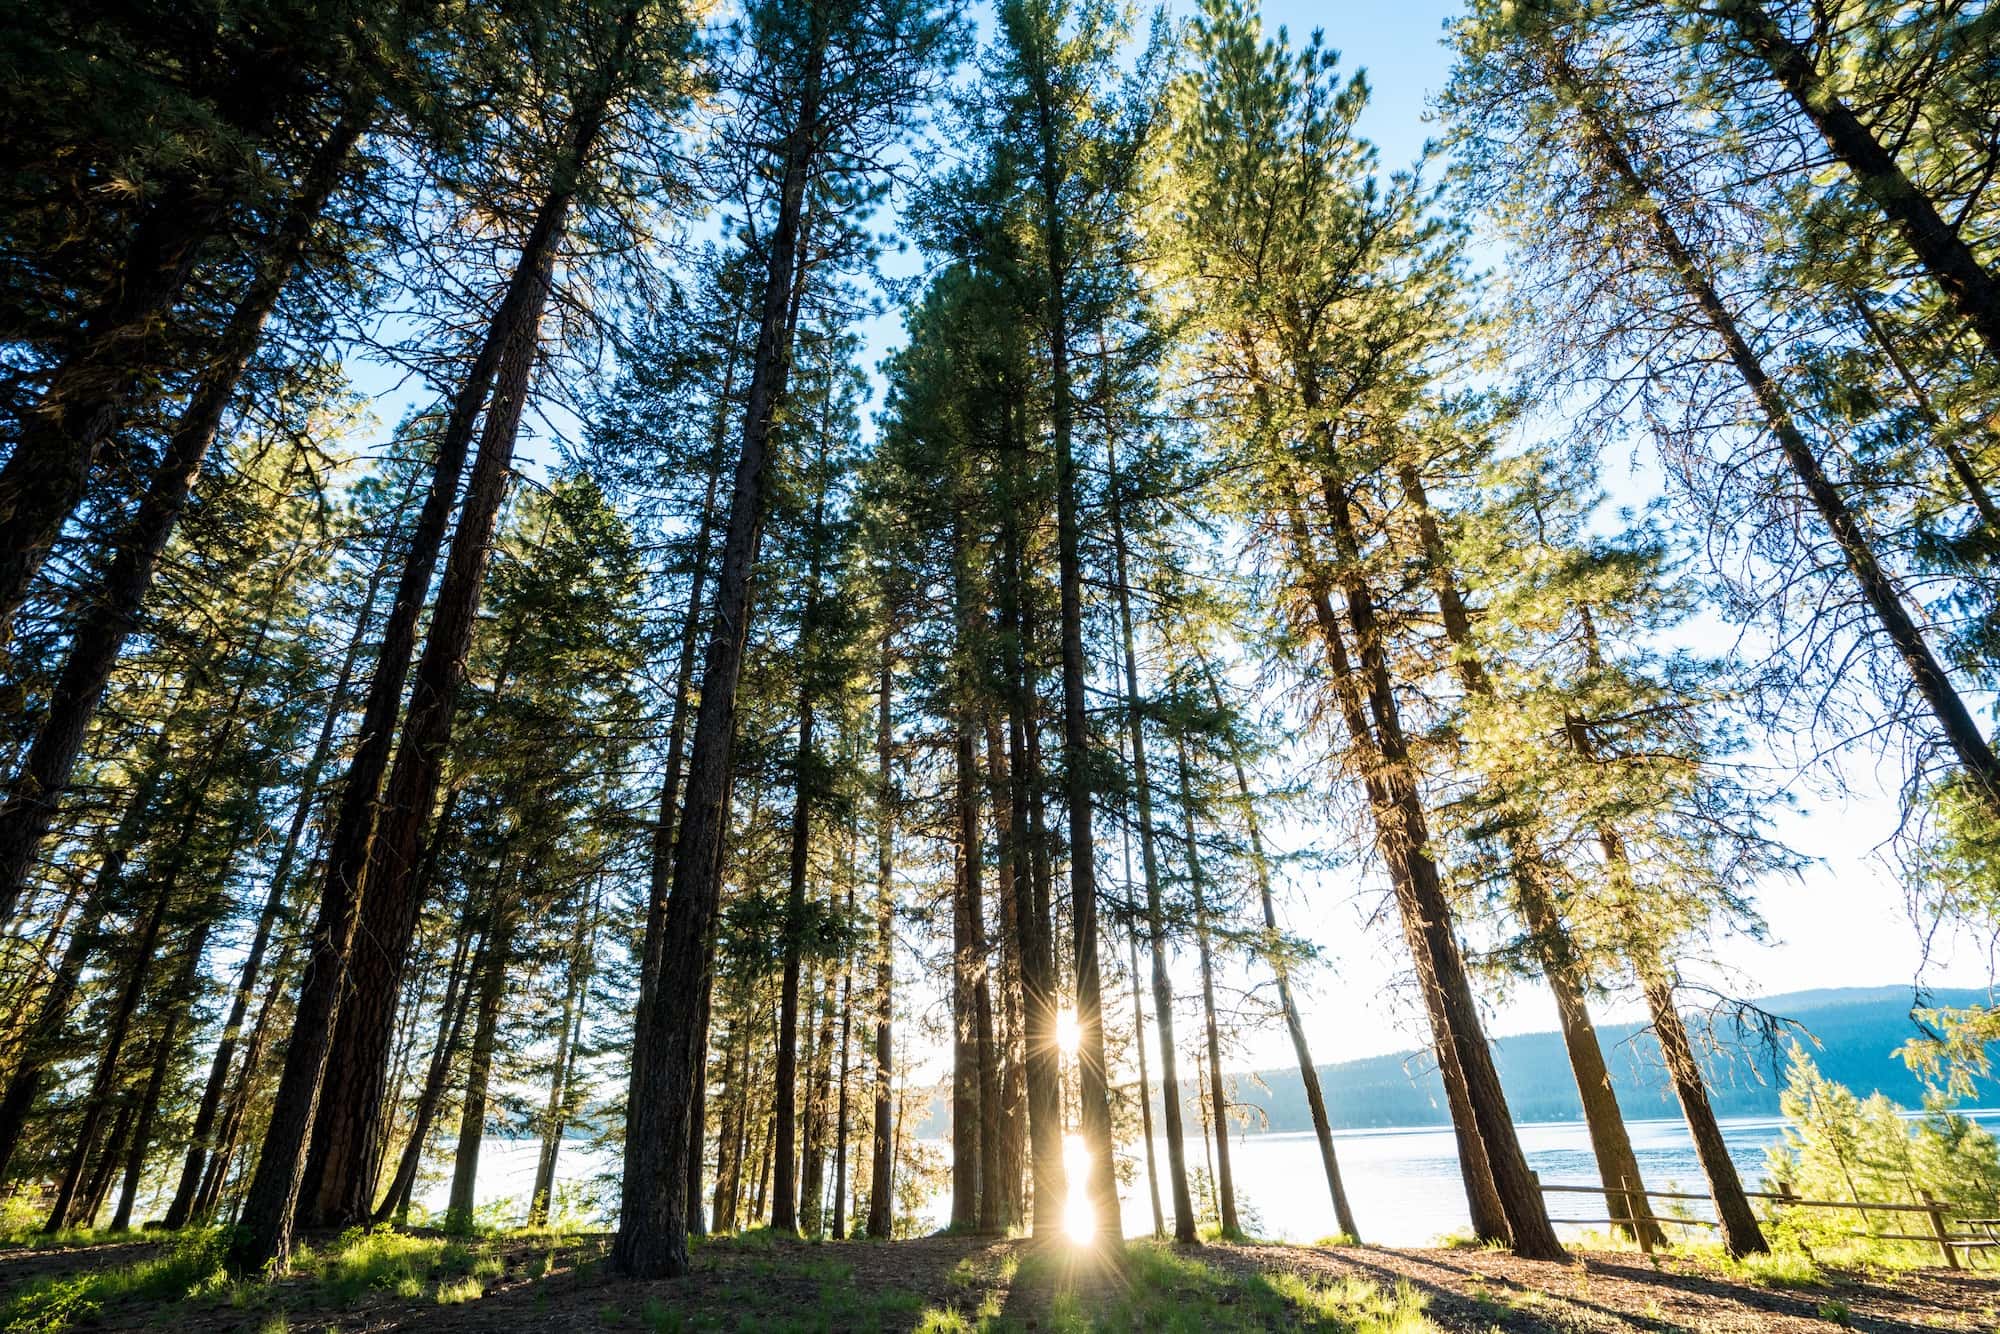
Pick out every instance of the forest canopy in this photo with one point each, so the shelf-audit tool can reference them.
(495, 636)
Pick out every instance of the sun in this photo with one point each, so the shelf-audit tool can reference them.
(1068, 1032)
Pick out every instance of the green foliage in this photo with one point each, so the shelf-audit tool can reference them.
(1841, 1147)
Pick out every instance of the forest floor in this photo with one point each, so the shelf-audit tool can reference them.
(938, 1285)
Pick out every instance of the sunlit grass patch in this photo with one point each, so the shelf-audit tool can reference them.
(1775, 1269)
(382, 1259)
(193, 1264)
(467, 1289)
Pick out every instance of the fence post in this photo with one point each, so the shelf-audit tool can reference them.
(1943, 1233)
(1640, 1210)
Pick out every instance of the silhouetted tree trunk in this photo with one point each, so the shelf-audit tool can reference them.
(1972, 290)
(110, 611)
(479, 1069)
(63, 1210)
(882, 1160)
(652, 1233)
(1013, 1075)
(1156, 931)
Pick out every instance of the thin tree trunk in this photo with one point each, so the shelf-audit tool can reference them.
(1217, 1096)
(1013, 1075)
(819, 1089)
(1163, 992)
(555, 1116)
(62, 1212)
(479, 1072)
(840, 1129)
(1260, 863)
(395, 1204)
(882, 1159)
(1145, 1081)
(164, 1046)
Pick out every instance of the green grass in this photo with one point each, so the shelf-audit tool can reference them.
(1775, 1269)
(1164, 1289)
(192, 1266)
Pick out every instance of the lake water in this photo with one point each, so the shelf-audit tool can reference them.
(1403, 1183)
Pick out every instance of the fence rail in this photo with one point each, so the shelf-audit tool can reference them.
(1643, 1222)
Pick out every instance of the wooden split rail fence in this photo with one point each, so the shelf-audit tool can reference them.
(1939, 1214)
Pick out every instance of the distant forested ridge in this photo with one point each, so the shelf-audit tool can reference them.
(1859, 1027)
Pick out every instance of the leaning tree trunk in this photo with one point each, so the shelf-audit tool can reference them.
(1972, 290)
(452, 1014)
(264, 1234)
(651, 1241)
(164, 1045)
(479, 1072)
(356, 1068)
(1336, 1188)
(1480, 1106)
(111, 610)
(1617, 1164)
(63, 1209)
(1961, 731)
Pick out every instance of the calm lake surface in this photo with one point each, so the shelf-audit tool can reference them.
(1403, 1183)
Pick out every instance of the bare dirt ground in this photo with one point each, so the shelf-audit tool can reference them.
(934, 1283)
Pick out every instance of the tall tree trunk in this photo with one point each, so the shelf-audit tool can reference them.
(652, 1230)
(660, 864)
(882, 1160)
(1961, 732)
(110, 611)
(237, 1104)
(355, 1082)
(194, 1168)
(1260, 864)
(1972, 290)
(966, 1112)
(1225, 1179)
(1617, 1164)
(784, 1200)
(265, 1230)
(1497, 1177)
(1013, 1075)
(479, 1071)
(62, 1211)
(1093, 1091)
(1156, 931)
